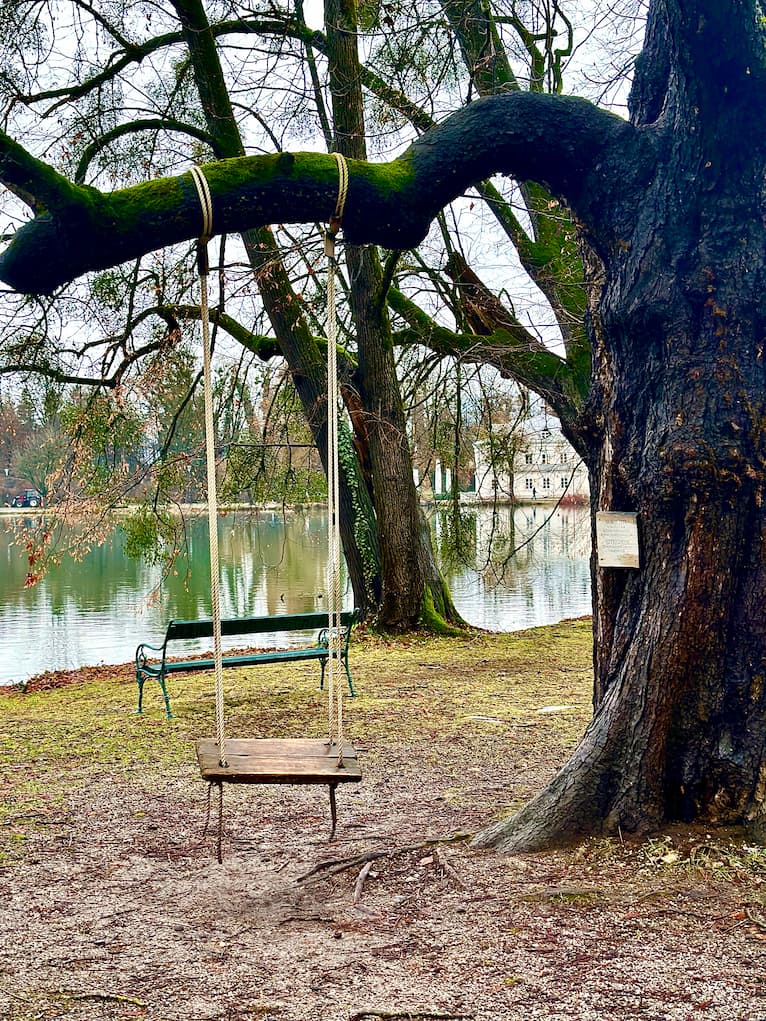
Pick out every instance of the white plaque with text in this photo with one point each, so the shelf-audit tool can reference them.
(617, 539)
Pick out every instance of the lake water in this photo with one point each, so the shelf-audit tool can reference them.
(98, 610)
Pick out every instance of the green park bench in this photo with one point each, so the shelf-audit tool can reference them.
(159, 666)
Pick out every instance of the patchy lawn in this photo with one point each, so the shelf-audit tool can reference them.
(112, 904)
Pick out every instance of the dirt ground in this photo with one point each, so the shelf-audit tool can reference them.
(112, 904)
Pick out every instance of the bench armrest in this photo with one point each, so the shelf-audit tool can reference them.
(141, 656)
(345, 634)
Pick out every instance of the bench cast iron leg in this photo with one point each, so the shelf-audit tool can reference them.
(165, 695)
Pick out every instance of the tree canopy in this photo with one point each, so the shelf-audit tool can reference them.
(190, 50)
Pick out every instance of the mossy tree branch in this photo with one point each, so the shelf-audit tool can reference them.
(264, 347)
(577, 150)
(510, 352)
(37, 184)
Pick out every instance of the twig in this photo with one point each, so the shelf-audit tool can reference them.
(306, 918)
(15, 996)
(333, 866)
(451, 871)
(106, 998)
(363, 873)
(438, 1015)
(756, 917)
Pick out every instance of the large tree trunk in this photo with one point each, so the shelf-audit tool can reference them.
(679, 407)
(413, 590)
(356, 516)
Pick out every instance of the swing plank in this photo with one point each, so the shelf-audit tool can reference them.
(271, 760)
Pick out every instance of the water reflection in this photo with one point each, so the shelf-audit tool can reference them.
(533, 565)
(98, 610)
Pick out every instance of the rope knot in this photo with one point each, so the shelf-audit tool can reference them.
(206, 203)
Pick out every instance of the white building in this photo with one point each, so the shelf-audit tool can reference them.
(542, 467)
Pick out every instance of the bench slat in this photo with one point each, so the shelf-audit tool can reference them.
(180, 630)
(193, 665)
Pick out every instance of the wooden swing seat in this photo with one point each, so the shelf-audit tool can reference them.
(279, 760)
(282, 760)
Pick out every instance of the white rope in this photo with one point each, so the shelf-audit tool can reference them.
(334, 685)
(206, 203)
(334, 662)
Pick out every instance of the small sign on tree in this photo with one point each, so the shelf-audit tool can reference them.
(617, 539)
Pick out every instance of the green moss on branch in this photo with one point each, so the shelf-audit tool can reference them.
(570, 144)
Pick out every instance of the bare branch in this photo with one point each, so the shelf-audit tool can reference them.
(132, 127)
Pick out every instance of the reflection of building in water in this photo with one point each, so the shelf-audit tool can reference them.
(529, 534)
(524, 533)
(543, 467)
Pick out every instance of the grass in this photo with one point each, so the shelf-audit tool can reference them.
(493, 715)
(467, 692)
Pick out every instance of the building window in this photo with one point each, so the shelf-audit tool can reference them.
(546, 483)
(527, 483)
(527, 459)
(543, 458)
(564, 457)
(564, 481)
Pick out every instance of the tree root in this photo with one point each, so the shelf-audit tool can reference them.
(364, 872)
(408, 1015)
(333, 866)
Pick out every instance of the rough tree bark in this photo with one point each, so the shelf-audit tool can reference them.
(677, 415)
(673, 204)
